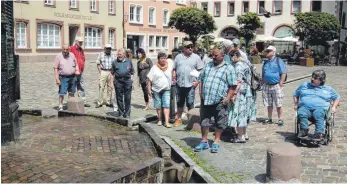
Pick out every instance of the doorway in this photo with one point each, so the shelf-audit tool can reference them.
(72, 34)
(133, 43)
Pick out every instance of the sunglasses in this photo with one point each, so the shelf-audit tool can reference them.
(189, 46)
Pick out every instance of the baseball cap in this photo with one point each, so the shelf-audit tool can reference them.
(108, 46)
(79, 39)
(187, 43)
(227, 43)
(236, 41)
(271, 48)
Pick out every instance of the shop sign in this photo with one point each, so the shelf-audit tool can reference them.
(72, 16)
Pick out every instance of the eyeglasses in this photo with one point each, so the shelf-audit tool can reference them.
(189, 46)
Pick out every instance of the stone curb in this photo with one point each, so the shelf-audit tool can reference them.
(149, 171)
(148, 118)
(188, 161)
(121, 121)
(163, 149)
(33, 112)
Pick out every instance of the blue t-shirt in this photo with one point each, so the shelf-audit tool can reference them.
(272, 70)
(227, 59)
(315, 97)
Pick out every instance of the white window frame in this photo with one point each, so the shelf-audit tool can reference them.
(202, 7)
(182, 2)
(73, 3)
(293, 6)
(215, 9)
(154, 15)
(111, 6)
(178, 42)
(94, 39)
(281, 7)
(167, 18)
(111, 37)
(154, 43)
(93, 5)
(21, 36)
(53, 38)
(135, 21)
(229, 4)
(49, 2)
(258, 11)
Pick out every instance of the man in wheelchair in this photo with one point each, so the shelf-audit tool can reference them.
(312, 101)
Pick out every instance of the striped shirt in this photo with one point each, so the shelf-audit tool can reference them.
(216, 82)
(105, 60)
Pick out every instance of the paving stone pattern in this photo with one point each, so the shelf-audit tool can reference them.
(71, 149)
(247, 162)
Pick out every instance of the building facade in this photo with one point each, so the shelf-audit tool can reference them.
(279, 24)
(43, 26)
(146, 26)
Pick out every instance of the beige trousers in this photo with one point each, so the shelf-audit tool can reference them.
(105, 81)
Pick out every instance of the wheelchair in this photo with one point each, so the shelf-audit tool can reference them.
(329, 130)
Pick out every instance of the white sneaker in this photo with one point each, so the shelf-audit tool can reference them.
(159, 123)
(61, 107)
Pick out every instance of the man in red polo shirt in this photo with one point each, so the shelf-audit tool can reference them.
(77, 50)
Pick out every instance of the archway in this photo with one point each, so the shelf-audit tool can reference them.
(284, 47)
(283, 31)
(229, 33)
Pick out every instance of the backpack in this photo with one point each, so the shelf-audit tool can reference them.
(255, 78)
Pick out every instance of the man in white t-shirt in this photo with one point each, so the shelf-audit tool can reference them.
(159, 85)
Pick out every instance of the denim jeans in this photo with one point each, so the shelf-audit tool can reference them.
(161, 99)
(318, 115)
(67, 84)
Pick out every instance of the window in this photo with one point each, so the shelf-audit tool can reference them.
(136, 14)
(151, 16)
(163, 41)
(92, 37)
(73, 4)
(245, 7)
(193, 5)
(317, 6)
(231, 8)
(151, 42)
(49, 2)
(296, 6)
(166, 17)
(261, 7)
(217, 9)
(21, 35)
(204, 7)
(181, 1)
(111, 37)
(176, 42)
(93, 5)
(48, 36)
(111, 6)
(278, 7)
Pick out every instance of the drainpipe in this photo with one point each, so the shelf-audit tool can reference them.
(123, 25)
(341, 23)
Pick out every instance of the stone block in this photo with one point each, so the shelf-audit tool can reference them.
(194, 120)
(283, 162)
(75, 104)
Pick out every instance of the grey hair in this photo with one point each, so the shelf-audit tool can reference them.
(161, 54)
(320, 74)
(121, 50)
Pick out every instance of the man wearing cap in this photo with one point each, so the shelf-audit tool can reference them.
(184, 64)
(77, 50)
(104, 64)
(274, 75)
(236, 43)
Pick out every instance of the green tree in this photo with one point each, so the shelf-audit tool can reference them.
(249, 23)
(316, 28)
(192, 21)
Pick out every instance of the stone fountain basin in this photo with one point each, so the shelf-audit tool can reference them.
(75, 149)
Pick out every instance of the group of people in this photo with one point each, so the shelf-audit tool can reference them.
(228, 99)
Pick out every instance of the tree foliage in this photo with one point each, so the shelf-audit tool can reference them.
(249, 23)
(192, 21)
(315, 28)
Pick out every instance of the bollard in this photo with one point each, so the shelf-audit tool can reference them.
(283, 162)
(194, 120)
(75, 104)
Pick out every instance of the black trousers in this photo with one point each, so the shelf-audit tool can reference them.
(173, 102)
(145, 91)
(123, 89)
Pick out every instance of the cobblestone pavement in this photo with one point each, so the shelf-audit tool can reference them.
(72, 150)
(247, 162)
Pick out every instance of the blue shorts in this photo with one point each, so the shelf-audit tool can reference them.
(67, 84)
(161, 99)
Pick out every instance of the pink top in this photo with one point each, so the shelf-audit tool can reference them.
(66, 66)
